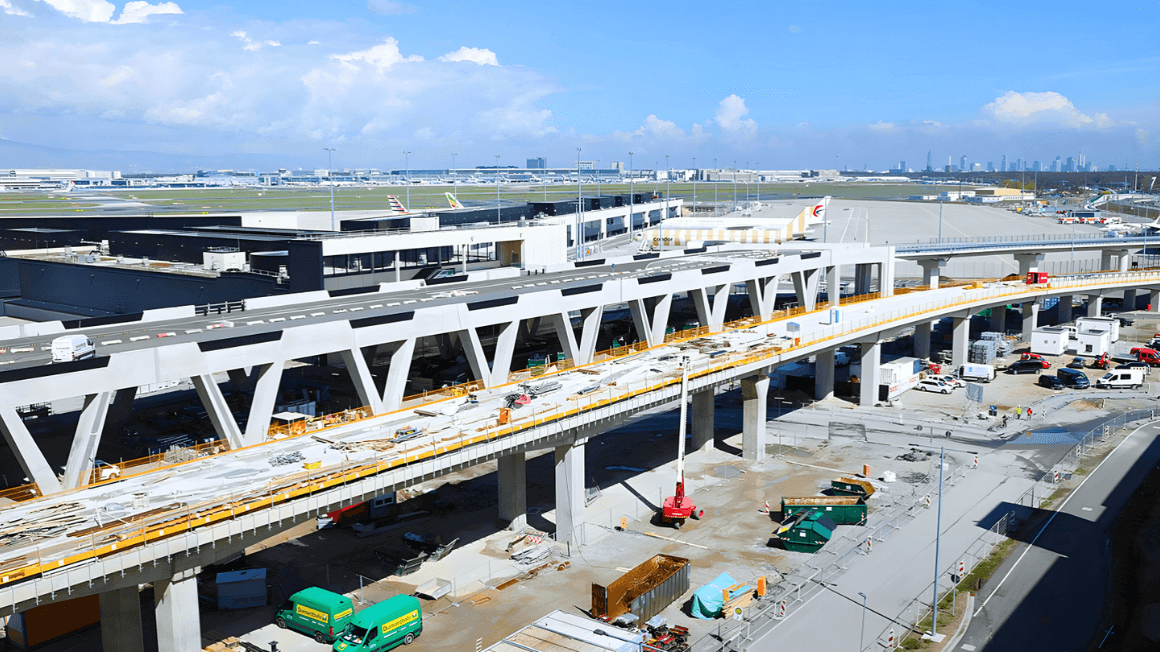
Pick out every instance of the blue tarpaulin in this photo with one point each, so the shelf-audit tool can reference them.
(708, 600)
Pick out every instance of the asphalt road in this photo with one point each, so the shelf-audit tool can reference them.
(1051, 593)
(116, 338)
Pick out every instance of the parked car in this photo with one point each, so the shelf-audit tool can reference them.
(1077, 363)
(1036, 356)
(1073, 378)
(954, 383)
(1025, 367)
(1050, 382)
(1126, 321)
(933, 385)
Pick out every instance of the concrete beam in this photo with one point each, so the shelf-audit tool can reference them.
(570, 494)
(755, 398)
(833, 286)
(27, 453)
(863, 276)
(266, 395)
(704, 409)
(121, 620)
(922, 340)
(513, 490)
(1028, 263)
(871, 358)
(219, 413)
(960, 340)
(932, 270)
(87, 438)
(1030, 317)
(711, 303)
(651, 326)
(178, 615)
(824, 376)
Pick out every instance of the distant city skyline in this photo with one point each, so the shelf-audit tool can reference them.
(181, 84)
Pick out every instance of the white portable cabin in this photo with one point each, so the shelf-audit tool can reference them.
(1093, 342)
(1049, 340)
(1112, 326)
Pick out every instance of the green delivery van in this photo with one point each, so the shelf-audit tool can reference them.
(386, 625)
(316, 612)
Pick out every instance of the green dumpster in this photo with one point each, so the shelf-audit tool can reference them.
(806, 531)
(843, 510)
(853, 487)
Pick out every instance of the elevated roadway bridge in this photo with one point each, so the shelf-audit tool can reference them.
(162, 524)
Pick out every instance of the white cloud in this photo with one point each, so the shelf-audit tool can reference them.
(313, 43)
(794, 29)
(381, 56)
(252, 45)
(881, 126)
(731, 118)
(90, 11)
(12, 10)
(138, 12)
(119, 75)
(482, 56)
(1048, 108)
(390, 7)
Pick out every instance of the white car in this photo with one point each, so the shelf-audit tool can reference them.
(954, 383)
(933, 385)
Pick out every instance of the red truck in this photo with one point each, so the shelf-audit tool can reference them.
(1150, 356)
(1034, 278)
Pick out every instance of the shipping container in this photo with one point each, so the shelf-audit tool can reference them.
(844, 510)
(51, 621)
(644, 591)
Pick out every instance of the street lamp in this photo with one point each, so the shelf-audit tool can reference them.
(579, 203)
(454, 178)
(716, 179)
(862, 633)
(668, 198)
(757, 164)
(630, 198)
(694, 185)
(734, 184)
(330, 175)
(498, 218)
(747, 184)
(597, 177)
(407, 167)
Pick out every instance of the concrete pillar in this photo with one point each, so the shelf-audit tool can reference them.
(833, 286)
(27, 453)
(755, 398)
(1153, 300)
(86, 440)
(805, 286)
(922, 340)
(1030, 317)
(932, 270)
(762, 296)
(651, 326)
(178, 617)
(240, 380)
(570, 494)
(824, 375)
(219, 413)
(513, 491)
(1028, 263)
(120, 409)
(703, 408)
(1063, 309)
(1095, 305)
(266, 396)
(360, 376)
(1129, 299)
(121, 620)
(583, 351)
(999, 318)
(712, 316)
(1125, 260)
(863, 274)
(495, 372)
(886, 275)
(960, 340)
(871, 357)
(397, 372)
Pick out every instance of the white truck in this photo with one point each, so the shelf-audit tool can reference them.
(1121, 379)
(983, 373)
(72, 347)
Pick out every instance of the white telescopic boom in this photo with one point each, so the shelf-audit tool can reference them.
(681, 429)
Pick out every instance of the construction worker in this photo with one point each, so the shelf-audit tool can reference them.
(1018, 412)
(1029, 413)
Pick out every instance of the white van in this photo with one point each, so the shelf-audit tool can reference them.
(72, 347)
(1121, 379)
(983, 373)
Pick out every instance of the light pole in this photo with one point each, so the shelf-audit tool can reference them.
(498, 217)
(597, 177)
(937, 540)
(668, 195)
(716, 179)
(862, 633)
(630, 198)
(694, 185)
(757, 164)
(734, 184)
(454, 178)
(747, 184)
(940, 205)
(579, 203)
(407, 167)
(330, 176)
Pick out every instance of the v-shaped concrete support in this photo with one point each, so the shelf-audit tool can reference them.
(219, 413)
(262, 407)
(651, 326)
(83, 452)
(392, 398)
(27, 452)
(762, 295)
(495, 373)
(805, 285)
(583, 351)
(711, 314)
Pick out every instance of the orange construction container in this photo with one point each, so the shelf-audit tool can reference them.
(51, 621)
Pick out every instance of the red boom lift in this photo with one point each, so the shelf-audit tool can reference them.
(679, 507)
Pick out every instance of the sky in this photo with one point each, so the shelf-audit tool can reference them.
(177, 85)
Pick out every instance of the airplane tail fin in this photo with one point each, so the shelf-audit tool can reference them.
(396, 205)
(818, 213)
(452, 200)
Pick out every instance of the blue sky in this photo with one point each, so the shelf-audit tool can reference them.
(166, 85)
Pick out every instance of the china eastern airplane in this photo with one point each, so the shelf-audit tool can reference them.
(688, 231)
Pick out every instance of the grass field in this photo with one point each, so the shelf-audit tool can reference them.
(215, 200)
